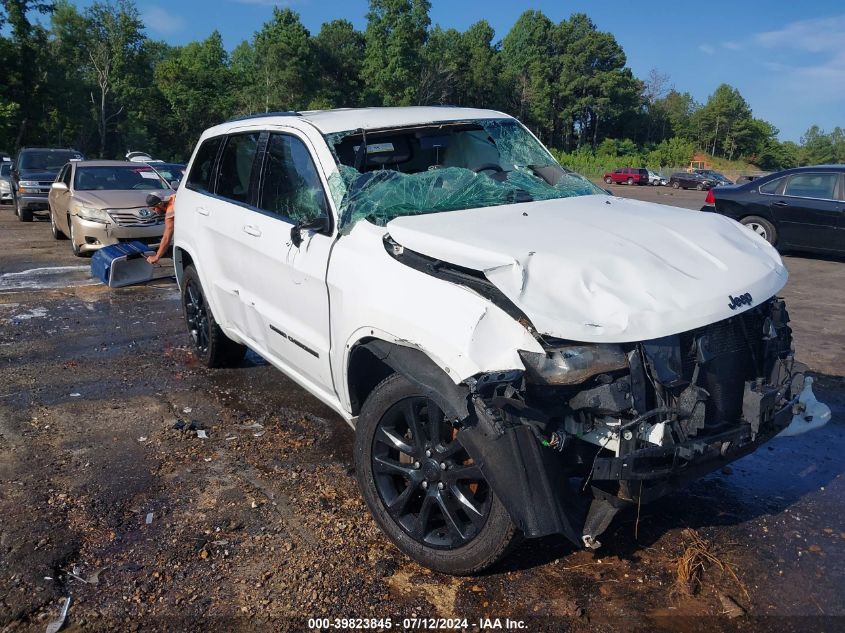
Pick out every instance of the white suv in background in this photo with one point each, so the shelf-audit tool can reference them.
(517, 351)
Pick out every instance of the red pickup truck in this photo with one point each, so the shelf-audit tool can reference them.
(628, 175)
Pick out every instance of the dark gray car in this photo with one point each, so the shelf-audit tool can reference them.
(33, 173)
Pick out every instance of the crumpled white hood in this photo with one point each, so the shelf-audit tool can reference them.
(604, 269)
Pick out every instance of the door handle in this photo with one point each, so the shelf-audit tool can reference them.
(202, 210)
(249, 229)
(781, 203)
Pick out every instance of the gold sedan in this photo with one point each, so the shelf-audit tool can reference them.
(102, 202)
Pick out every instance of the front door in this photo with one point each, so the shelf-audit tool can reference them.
(286, 283)
(60, 199)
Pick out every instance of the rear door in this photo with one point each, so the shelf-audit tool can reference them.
(809, 211)
(229, 242)
(209, 217)
(286, 286)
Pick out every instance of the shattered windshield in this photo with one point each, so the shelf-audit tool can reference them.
(385, 174)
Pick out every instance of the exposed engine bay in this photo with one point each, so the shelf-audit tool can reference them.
(626, 422)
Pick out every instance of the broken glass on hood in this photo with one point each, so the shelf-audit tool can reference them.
(385, 174)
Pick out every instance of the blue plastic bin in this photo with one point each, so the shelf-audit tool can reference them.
(122, 264)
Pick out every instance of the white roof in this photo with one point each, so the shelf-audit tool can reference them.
(341, 120)
(348, 119)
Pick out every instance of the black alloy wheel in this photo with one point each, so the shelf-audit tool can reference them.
(211, 344)
(425, 478)
(196, 316)
(422, 487)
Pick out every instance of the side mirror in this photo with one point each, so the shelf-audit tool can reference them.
(58, 186)
(320, 223)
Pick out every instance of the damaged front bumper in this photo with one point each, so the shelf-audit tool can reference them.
(710, 397)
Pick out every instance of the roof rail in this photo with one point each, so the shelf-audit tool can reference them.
(264, 114)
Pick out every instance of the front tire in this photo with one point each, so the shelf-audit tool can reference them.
(74, 245)
(421, 486)
(675, 185)
(54, 228)
(609, 180)
(210, 343)
(630, 181)
(761, 227)
(699, 187)
(24, 214)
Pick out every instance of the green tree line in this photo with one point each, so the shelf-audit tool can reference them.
(93, 79)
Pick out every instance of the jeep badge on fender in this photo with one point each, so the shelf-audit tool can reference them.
(741, 300)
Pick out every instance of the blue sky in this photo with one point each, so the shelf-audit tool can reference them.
(787, 58)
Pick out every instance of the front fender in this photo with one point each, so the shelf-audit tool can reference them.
(374, 296)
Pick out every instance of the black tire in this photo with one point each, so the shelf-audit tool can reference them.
(430, 476)
(54, 229)
(700, 187)
(24, 214)
(211, 345)
(630, 181)
(762, 227)
(609, 180)
(676, 185)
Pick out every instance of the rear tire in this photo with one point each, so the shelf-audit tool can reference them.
(630, 181)
(211, 345)
(446, 518)
(609, 180)
(762, 227)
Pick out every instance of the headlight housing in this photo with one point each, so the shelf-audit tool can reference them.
(573, 364)
(29, 186)
(92, 214)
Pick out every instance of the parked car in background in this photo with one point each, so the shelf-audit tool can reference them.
(689, 180)
(172, 172)
(96, 203)
(655, 179)
(714, 176)
(625, 361)
(5, 182)
(33, 172)
(628, 175)
(799, 209)
(748, 178)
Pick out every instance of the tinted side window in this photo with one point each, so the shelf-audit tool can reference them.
(812, 186)
(5, 169)
(291, 185)
(200, 176)
(772, 186)
(235, 170)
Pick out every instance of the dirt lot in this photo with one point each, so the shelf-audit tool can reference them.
(260, 526)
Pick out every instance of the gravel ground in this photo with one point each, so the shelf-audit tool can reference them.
(259, 526)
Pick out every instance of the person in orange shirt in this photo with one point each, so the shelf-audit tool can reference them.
(166, 207)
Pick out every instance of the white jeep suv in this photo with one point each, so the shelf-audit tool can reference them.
(517, 351)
